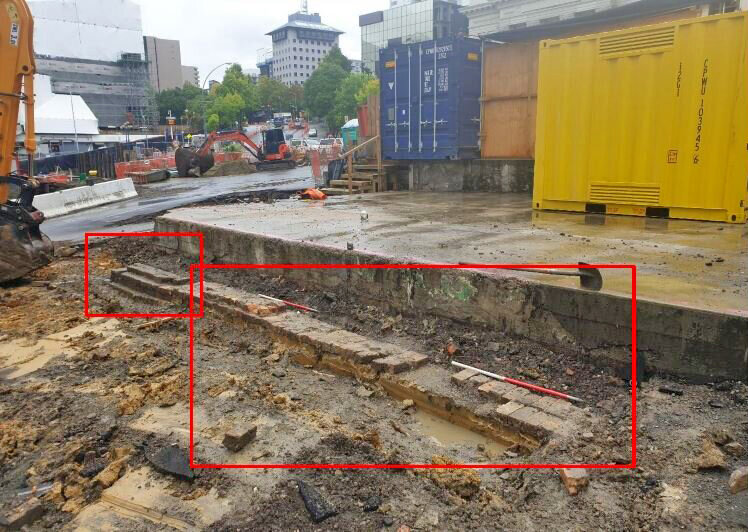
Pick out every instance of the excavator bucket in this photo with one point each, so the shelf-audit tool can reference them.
(23, 247)
(188, 161)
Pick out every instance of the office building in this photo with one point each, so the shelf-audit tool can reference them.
(357, 66)
(96, 54)
(191, 75)
(164, 59)
(530, 19)
(408, 22)
(299, 46)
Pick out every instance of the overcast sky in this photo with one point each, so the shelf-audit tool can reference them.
(216, 31)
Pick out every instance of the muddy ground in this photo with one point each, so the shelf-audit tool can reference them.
(81, 414)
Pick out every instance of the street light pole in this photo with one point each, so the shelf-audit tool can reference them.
(205, 96)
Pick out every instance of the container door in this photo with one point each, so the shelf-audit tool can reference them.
(388, 103)
(438, 124)
(465, 89)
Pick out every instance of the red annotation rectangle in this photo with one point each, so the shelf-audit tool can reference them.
(577, 267)
(86, 283)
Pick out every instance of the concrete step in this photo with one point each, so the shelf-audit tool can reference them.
(136, 295)
(336, 183)
(161, 276)
(336, 191)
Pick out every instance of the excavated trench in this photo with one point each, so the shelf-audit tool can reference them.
(446, 411)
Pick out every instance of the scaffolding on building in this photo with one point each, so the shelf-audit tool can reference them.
(142, 110)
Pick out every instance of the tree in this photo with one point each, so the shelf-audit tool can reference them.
(347, 100)
(229, 109)
(213, 122)
(176, 101)
(235, 82)
(370, 88)
(320, 88)
(336, 56)
(274, 94)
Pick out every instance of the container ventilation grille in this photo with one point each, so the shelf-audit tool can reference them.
(639, 42)
(625, 193)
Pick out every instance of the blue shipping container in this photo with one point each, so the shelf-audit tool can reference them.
(430, 100)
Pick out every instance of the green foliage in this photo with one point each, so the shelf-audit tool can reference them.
(274, 94)
(213, 122)
(229, 108)
(235, 82)
(371, 87)
(233, 148)
(320, 88)
(346, 100)
(336, 56)
(176, 100)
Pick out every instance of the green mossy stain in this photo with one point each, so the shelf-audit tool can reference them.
(457, 288)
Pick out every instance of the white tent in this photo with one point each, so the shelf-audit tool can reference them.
(59, 114)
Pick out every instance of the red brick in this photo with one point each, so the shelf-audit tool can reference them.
(507, 409)
(556, 407)
(462, 376)
(546, 422)
(575, 480)
(401, 362)
(495, 389)
(516, 394)
(479, 380)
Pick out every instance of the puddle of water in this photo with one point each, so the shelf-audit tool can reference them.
(448, 434)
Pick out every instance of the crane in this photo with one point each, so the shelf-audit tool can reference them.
(23, 247)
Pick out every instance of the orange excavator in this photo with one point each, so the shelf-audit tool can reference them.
(23, 247)
(272, 153)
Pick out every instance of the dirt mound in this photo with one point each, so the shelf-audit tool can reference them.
(462, 482)
(240, 167)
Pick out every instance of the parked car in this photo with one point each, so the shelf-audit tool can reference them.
(305, 144)
(312, 133)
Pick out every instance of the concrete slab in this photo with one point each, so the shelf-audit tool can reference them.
(692, 264)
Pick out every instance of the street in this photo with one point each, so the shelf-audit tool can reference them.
(159, 197)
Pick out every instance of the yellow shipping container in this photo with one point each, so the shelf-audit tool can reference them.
(646, 121)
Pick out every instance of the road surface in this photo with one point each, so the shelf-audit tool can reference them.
(175, 192)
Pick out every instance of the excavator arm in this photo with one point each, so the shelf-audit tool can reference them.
(225, 136)
(23, 248)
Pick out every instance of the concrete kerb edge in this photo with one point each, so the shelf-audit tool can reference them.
(72, 200)
(669, 337)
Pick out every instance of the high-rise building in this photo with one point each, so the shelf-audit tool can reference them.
(164, 63)
(97, 54)
(357, 66)
(532, 19)
(191, 75)
(265, 62)
(409, 21)
(299, 46)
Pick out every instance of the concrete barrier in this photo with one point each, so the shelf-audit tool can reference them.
(80, 198)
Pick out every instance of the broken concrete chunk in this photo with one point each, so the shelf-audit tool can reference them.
(318, 507)
(575, 480)
(408, 403)
(23, 515)
(172, 461)
(739, 480)
(236, 440)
